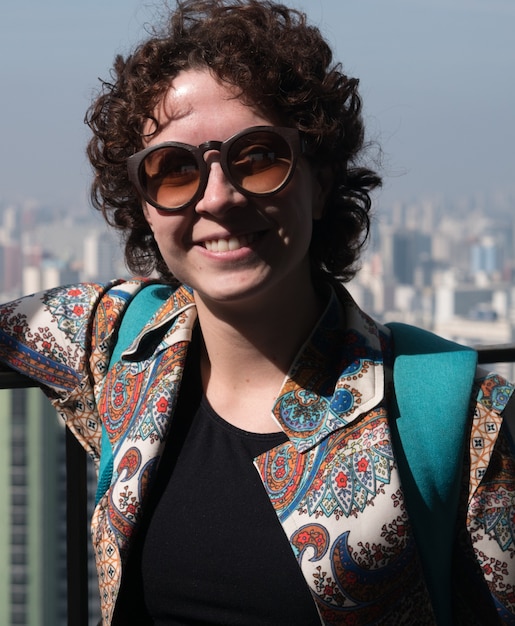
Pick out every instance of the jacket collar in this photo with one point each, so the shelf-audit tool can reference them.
(169, 324)
(337, 375)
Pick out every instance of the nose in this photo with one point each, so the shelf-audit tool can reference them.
(219, 195)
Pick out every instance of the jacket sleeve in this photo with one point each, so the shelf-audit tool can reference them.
(486, 566)
(46, 336)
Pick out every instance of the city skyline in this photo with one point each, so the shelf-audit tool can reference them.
(435, 80)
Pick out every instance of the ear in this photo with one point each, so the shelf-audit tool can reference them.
(322, 186)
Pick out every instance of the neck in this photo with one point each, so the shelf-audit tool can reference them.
(248, 351)
(272, 331)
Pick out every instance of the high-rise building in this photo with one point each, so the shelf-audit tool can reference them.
(33, 511)
(100, 254)
(10, 267)
(410, 250)
(485, 257)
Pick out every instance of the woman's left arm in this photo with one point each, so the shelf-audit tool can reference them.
(488, 545)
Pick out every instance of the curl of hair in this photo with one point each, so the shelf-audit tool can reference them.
(279, 63)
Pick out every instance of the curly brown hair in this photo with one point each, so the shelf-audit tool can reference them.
(281, 64)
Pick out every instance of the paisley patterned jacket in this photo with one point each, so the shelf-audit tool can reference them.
(335, 484)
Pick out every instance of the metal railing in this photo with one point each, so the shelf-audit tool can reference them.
(76, 493)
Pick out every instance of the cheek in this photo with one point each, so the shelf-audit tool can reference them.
(147, 213)
(171, 235)
(164, 236)
(305, 194)
(301, 210)
(165, 226)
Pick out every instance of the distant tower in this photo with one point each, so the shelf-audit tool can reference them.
(410, 249)
(485, 257)
(32, 515)
(10, 267)
(100, 251)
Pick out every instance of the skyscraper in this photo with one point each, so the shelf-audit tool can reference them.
(32, 515)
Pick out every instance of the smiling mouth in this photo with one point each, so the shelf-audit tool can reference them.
(231, 243)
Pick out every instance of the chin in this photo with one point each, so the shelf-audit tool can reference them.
(232, 294)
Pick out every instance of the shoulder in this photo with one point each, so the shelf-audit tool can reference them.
(494, 404)
(56, 324)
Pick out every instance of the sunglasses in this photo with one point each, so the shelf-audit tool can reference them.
(257, 161)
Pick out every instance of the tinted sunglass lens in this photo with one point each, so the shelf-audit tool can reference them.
(260, 162)
(170, 177)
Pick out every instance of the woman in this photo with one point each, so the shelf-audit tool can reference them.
(241, 407)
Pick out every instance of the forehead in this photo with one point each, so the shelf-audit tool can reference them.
(198, 104)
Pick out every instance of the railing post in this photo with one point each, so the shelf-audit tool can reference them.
(76, 532)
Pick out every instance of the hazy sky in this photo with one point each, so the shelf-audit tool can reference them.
(437, 79)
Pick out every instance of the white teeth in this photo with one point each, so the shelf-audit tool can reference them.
(222, 245)
(233, 243)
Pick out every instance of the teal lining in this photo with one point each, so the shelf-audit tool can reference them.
(433, 381)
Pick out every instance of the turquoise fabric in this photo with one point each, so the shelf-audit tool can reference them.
(433, 381)
(145, 303)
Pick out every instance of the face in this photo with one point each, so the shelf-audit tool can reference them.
(230, 247)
